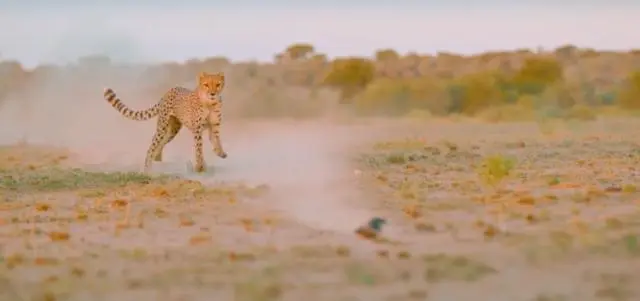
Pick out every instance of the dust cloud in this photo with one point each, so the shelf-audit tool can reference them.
(305, 163)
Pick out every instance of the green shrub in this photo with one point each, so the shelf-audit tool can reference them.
(536, 74)
(581, 112)
(629, 97)
(506, 113)
(299, 50)
(419, 114)
(395, 97)
(350, 75)
(559, 94)
(475, 92)
(386, 55)
(495, 168)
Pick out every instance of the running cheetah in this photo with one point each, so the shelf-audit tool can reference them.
(197, 110)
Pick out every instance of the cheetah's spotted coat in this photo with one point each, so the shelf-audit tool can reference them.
(197, 110)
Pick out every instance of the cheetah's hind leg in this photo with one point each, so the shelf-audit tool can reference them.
(174, 127)
(157, 142)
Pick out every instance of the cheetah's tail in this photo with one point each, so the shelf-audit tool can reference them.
(111, 97)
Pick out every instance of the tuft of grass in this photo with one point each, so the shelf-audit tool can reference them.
(555, 180)
(264, 285)
(361, 274)
(396, 158)
(58, 179)
(494, 169)
(629, 188)
(443, 267)
(403, 145)
(627, 245)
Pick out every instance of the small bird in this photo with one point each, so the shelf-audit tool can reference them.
(372, 229)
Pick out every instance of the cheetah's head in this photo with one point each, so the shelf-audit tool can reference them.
(210, 86)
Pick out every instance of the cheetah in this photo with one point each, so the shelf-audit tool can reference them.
(198, 110)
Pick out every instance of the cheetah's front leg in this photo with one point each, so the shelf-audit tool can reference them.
(197, 145)
(214, 138)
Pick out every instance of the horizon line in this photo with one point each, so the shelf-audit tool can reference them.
(371, 55)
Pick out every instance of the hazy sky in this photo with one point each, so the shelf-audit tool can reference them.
(37, 31)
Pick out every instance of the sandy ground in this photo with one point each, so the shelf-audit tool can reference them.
(275, 220)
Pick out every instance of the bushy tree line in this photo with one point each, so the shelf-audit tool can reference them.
(391, 84)
(539, 83)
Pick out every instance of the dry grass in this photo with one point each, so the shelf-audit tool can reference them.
(564, 203)
(103, 235)
(472, 206)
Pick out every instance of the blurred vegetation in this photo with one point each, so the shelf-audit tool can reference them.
(495, 168)
(568, 82)
(350, 75)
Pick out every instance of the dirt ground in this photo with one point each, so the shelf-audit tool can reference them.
(275, 220)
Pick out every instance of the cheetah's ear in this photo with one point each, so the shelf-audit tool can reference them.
(221, 75)
(202, 75)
